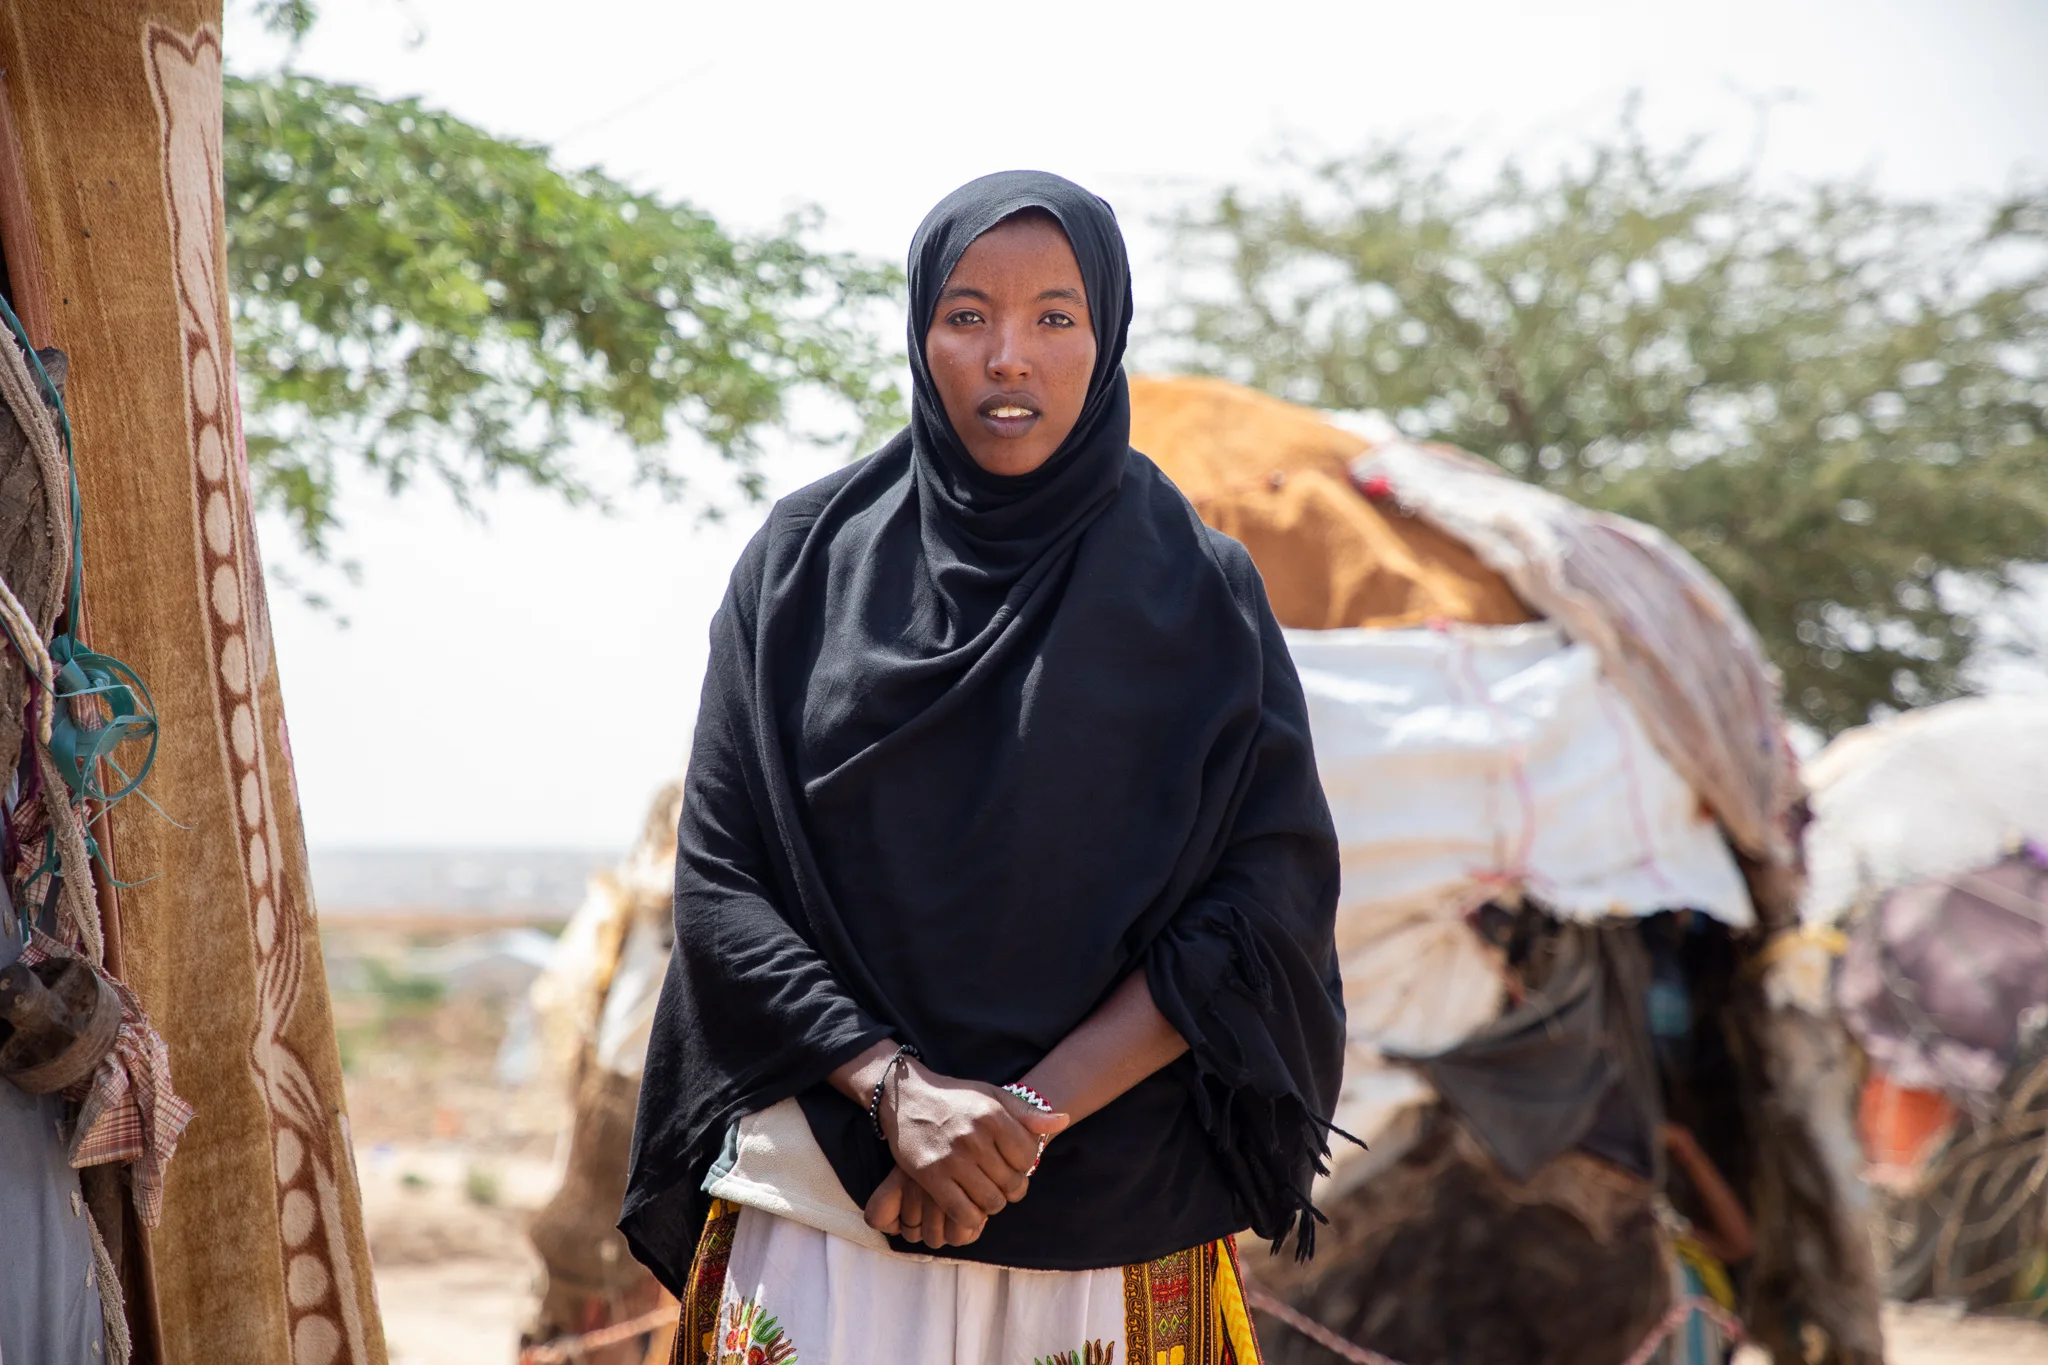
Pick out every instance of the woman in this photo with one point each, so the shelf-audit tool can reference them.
(1005, 883)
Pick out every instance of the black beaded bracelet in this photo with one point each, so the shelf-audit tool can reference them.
(875, 1100)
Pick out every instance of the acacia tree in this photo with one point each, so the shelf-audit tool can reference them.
(1837, 400)
(415, 294)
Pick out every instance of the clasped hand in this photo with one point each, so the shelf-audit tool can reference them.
(964, 1152)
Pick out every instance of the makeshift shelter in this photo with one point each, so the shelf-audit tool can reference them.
(596, 1005)
(1929, 869)
(1553, 751)
(1534, 768)
(112, 231)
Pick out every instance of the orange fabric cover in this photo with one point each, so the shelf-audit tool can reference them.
(1276, 478)
(1901, 1126)
(1210, 435)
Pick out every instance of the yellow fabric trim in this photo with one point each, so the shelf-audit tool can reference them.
(697, 1322)
(1230, 1307)
(1833, 941)
(1712, 1274)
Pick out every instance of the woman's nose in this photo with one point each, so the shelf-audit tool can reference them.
(1008, 364)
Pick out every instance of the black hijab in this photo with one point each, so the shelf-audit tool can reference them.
(972, 749)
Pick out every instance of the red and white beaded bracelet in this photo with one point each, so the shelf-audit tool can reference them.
(1029, 1096)
(1036, 1101)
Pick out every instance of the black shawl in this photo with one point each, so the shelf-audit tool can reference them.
(972, 749)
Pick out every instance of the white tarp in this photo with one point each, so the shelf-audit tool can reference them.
(1930, 793)
(1471, 763)
(1669, 637)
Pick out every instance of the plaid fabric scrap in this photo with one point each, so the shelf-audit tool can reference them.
(128, 1113)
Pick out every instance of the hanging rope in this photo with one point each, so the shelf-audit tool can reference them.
(1313, 1330)
(49, 444)
(86, 705)
(1672, 1320)
(27, 642)
(106, 704)
(562, 1350)
(1359, 1355)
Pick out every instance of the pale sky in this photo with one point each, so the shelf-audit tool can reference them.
(529, 681)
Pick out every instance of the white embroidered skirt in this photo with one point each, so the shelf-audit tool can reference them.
(766, 1290)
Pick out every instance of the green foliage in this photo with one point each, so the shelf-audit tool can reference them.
(1838, 401)
(481, 1186)
(293, 19)
(400, 992)
(414, 293)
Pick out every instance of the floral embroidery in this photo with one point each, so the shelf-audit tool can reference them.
(748, 1336)
(1094, 1353)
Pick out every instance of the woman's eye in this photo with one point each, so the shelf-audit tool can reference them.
(1059, 320)
(963, 317)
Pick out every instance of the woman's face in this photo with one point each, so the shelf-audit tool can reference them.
(1011, 346)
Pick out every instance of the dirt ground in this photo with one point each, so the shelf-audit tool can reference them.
(454, 1163)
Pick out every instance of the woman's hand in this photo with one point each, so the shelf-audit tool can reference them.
(901, 1208)
(963, 1150)
(966, 1145)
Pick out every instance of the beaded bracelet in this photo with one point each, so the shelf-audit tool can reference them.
(1029, 1096)
(1036, 1101)
(875, 1100)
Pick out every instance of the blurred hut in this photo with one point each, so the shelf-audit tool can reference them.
(595, 1006)
(1929, 870)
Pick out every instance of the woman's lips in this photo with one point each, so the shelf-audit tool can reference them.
(1008, 416)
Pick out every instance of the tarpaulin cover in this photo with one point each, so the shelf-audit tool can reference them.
(1670, 638)
(1468, 764)
(1531, 1084)
(1941, 980)
(1209, 435)
(1929, 793)
(1901, 1127)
